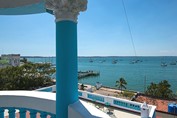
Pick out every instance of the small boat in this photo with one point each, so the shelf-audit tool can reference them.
(102, 61)
(90, 60)
(163, 64)
(114, 61)
(173, 63)
(133, 62)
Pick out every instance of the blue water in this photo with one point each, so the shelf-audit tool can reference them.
(137, 75)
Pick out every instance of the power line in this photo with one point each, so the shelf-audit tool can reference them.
(131, 36)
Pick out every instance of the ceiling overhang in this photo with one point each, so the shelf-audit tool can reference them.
(22, 7)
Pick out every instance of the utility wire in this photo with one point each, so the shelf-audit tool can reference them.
(131, 36)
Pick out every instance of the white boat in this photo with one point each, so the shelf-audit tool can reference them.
(163, 64)
(114, 61)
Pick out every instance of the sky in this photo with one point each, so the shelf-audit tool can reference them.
(102, 30)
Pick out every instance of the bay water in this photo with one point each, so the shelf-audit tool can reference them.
(138, 75)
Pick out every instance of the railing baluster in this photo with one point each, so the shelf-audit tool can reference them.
(52, 115)
(22, 113)
(1, 113)
(33, 113)
(43, 114)
(11, 112)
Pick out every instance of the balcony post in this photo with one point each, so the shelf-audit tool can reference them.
(52, 116)
(22, 113)
(33, 113)
(1, 113)
(43, 115)
(11, 112)
(66, 12)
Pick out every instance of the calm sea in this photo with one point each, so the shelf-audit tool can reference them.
(138, 75)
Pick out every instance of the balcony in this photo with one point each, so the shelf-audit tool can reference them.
(42, 103)
(38, 104)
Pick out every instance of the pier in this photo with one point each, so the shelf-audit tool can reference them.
(83, 74)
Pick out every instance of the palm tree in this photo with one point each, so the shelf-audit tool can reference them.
(152, 89)
(121, 83)
(160, 90)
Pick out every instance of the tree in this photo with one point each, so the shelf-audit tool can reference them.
(24, 60)
(121, 83)
(152, 89)
(164, 89)
(160, 90)
(26, 77)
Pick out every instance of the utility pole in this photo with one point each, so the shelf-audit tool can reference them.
(144, 84)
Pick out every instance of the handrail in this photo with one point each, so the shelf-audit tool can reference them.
(35, 103)
(47, 89)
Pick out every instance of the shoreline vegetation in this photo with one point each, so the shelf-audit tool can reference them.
(158, 94)
(27, 76)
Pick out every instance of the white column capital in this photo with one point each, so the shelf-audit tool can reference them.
(66, 9)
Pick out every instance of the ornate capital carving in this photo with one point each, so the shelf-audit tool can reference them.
(66, 9)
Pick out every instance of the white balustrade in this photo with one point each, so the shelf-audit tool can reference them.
(116, 102)
(39, 103)
(35, 102)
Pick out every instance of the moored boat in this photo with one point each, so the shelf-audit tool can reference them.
(173, 63)
(163, 64)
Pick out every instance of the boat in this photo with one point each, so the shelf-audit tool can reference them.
(133, 62)
(173, 63)
(90, 60)
(102, 61)
(114, 61)
(163, 64)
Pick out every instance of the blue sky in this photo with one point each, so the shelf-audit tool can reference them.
(102, 30)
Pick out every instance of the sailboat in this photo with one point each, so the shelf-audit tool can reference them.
(114, 61)
(163, 64)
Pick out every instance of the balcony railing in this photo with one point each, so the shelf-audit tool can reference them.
(22, 103)
(40, 104)
(116, 102)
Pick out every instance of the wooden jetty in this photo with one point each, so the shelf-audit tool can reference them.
(83, 74)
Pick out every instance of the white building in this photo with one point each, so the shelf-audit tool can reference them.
(14, 59)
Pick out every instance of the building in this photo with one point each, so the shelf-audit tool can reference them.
(12, 59)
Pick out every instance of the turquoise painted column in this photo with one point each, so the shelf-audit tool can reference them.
(66, 12)
(66, 65)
